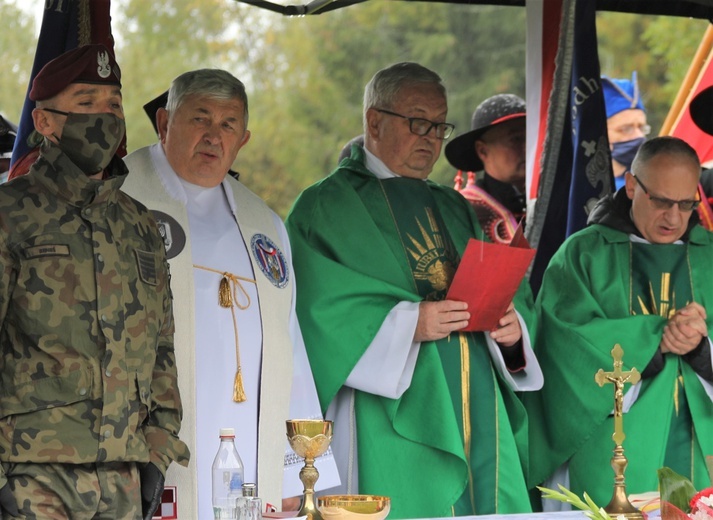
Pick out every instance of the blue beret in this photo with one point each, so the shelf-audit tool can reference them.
(621, 94)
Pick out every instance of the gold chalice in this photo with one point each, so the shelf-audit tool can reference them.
(354, 507)
(309, 438)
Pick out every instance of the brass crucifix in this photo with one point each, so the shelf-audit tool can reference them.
(619, 505)
(618, 378)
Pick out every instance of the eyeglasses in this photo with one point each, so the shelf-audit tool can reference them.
(630, 130)
(420, 126)
(665, 204)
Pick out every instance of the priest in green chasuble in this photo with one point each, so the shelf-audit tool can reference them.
(424, 414)
(639, 276)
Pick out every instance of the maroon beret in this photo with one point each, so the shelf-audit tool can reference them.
(87, 64)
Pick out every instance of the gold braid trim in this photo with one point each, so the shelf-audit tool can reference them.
(228, 298)
(85, 23)
(465, 409)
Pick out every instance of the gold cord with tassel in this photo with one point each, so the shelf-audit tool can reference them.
(224, 297)
(238, 390)
(228, 298)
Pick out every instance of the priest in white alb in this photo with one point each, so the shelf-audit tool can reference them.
(239, 350)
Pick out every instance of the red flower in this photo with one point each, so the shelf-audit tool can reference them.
(703, 502)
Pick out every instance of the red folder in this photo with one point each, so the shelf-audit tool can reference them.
(488, 278)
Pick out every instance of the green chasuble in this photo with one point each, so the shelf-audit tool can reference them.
(456, 441)
(601, 289)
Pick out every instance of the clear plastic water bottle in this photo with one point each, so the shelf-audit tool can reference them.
(228, 476)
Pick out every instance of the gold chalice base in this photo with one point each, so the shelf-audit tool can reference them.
(353, 507)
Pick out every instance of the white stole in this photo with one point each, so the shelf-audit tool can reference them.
(161, 193)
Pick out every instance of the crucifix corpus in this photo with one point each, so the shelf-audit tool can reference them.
(619, 504)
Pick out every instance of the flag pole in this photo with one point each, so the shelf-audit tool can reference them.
(688, 86)
(696, 73)
(65, 26)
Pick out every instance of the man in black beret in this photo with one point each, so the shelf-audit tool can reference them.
(495, 149)
(89, 404)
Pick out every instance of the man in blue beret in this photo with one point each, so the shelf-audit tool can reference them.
(626, 122)
(89, 401)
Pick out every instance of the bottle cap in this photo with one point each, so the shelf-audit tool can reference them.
(227, 432)
(249, 490)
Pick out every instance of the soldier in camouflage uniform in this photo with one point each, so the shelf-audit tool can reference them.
(89, 403)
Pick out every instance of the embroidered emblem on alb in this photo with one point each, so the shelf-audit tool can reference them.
(103, 61)
(271, 260)
(173, 235)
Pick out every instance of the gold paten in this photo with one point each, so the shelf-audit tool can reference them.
(309, 438)
(354, 507)
(619, 504)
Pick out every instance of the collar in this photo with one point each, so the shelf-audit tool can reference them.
(503, 192)
(377, 166)
(173, 184)
(60, 176)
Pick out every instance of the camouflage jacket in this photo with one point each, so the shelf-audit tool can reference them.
(87, 372)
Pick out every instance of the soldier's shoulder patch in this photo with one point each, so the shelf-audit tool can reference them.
(271, 260)
(146, 262)
(173, 235)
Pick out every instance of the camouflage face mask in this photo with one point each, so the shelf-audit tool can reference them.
(90, 140)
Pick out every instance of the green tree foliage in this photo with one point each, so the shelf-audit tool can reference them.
(310, 103)
(17, 50)
(157, 41)
(659, 48)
